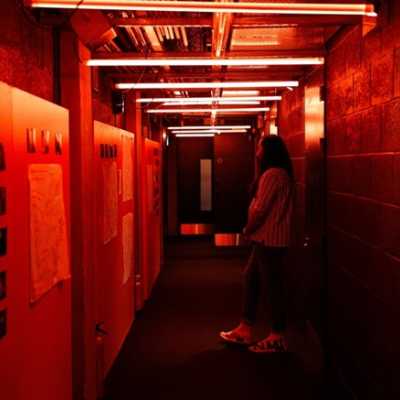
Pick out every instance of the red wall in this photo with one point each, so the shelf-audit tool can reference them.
(102, 106)
(363, 131)
(291, 128)
(363, 173)
(26, 60)
(25, 51)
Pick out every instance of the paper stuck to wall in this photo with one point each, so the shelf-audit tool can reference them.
(127, 243)
(110, 203)
(127, 168)
(48, 229)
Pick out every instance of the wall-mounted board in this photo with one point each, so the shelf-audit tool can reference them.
(36, 309)
(115, 250)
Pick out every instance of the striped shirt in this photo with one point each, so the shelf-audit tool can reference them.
(270, 212)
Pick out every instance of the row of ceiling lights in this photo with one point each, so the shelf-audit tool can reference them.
(228, 100)
(208, 6)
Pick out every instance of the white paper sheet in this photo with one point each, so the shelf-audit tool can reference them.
(48, 229)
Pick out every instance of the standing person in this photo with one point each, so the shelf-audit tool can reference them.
(268, 228)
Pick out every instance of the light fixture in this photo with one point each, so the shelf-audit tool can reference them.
(210, 6)
(196, 131)
(217, 131)
(220, 127)
(240, 93)
(195, 135)
(184, 100)
(205, 85)
(206, 110)
(149, 62)
(209, 102)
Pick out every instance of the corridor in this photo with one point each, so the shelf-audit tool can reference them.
(146, 147)
(174, 351)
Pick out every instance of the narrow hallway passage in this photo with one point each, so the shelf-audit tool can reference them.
(173, 351)
(128, 127)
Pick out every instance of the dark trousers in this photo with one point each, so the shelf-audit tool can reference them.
(264, 274)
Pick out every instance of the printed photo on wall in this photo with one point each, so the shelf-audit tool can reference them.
(58, 143)
(45, 141)
(31, 140)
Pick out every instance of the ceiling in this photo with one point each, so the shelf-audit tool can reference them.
(167, 34)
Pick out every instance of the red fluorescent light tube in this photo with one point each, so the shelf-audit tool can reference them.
(206, 110)
(205, 85)
(210, 6)
(195, 135)
(209, 102)
(219, 127)
(206, 99)
(129, 62)
(217, 131)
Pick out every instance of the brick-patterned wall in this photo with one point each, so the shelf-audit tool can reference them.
(291, 128)
(26, 54)
(363, 133)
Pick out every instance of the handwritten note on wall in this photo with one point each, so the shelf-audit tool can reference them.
(48, 229)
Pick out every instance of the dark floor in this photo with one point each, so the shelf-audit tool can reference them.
(173, 350)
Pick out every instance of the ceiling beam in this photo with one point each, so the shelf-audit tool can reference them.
(193, 22)
(243, 21)
(221, 32)
(313, 20)
(237, 75)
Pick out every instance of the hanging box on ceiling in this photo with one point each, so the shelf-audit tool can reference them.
(92, 28)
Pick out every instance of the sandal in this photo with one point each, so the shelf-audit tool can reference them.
(235, 337)
(270, 345)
